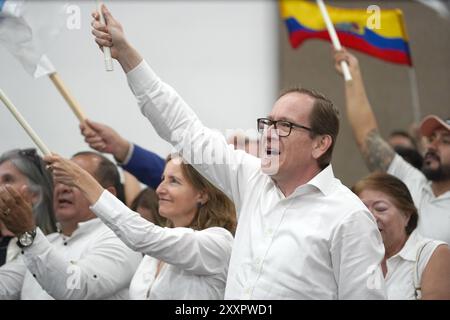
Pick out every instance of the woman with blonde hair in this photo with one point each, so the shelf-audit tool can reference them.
(187, 261)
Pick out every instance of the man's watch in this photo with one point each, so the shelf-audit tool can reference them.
(26, 239)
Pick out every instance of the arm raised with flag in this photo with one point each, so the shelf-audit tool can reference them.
(377, 153)
(112, 36)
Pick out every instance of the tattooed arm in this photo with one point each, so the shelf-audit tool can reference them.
(377, 153)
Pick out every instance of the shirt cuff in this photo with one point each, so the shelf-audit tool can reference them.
(39, 246)
(107, 207)
(141, 79)
(128, 156)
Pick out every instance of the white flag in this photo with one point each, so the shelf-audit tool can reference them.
(28, 29)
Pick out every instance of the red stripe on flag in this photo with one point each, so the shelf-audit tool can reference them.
(296, 38)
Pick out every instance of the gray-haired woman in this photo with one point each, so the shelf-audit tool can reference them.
(26, 172)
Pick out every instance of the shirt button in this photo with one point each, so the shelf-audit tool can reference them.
(269, 232)
(246, 295)
(257, 264)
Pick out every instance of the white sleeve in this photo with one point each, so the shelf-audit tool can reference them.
(403, 170)
(356, 252)
(104, 270)
(11, 279)
(127, 157)
(206, 149)
(203, 252)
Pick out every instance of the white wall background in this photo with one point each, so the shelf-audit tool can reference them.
(221, 56)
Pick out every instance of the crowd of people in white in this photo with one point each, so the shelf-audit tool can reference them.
(274, 223)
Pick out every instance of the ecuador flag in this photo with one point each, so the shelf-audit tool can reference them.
(387, 40)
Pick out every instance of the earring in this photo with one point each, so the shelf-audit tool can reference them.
(199, 205)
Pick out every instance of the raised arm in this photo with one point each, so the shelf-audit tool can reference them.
(112, 33)
(145, 165)
(377, 153)
(203, 252)
(174, 121)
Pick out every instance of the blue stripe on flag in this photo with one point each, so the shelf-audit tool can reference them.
(371, 37)
(2, 2)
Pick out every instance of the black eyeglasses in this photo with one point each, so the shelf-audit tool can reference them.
(284, 127)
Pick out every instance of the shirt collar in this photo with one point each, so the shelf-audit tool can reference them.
(409, 250)
(323, 180)
(85, 227)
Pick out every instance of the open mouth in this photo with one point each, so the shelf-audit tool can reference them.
(430, 157)
(64, 202)
(272, 152)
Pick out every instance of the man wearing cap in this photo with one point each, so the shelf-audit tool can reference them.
(429, 187)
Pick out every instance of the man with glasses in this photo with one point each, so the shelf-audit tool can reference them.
(430, 186)
(301, 234)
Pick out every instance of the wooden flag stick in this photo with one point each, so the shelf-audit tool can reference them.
(24, 124)
(334, 38)
(106, 50)
(67, 96)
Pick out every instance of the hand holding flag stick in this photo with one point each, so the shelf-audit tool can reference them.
(24, 124)
(106, 50)
(334, 38)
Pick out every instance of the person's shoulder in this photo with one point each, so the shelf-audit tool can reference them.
(347, 198)
(404, 171)
(350, 206)
(217, 231)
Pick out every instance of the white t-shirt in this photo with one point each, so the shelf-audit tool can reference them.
(401, 268)
(434, 212)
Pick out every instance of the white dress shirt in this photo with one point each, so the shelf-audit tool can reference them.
(196, 261)
(434, 212)
(321, 242)
(400, 283)
(13, 250)
(90, 264)
(11, 279)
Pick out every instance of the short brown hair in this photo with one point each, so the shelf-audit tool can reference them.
(106, 172)
(396, 190)
(218, 211)
(148, 199)
(324, 119)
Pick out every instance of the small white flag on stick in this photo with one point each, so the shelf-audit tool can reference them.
(27, 30)
(21, 120)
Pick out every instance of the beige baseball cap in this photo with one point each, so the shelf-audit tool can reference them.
(431, 123)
